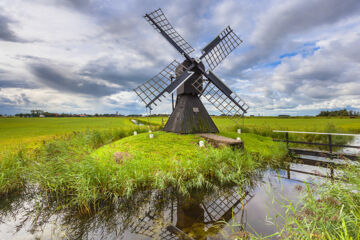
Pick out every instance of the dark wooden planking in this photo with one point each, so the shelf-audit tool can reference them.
(219, 141)
(190, 116)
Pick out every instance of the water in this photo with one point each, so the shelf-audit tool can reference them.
(354, 142)
(158, 215)
(136, 122)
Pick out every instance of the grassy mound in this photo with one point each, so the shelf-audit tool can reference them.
(82, 167)
(162, 148)
(172, 160)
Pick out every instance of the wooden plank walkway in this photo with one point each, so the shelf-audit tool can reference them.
(220, 141)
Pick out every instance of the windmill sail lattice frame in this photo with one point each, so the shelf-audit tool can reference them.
(218, 49)
(158, 20)
(154, 86)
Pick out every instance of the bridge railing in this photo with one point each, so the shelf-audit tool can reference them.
(329, 143)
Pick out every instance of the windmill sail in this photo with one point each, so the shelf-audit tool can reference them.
(153, 89)
(221, 96)
(219, 48)
(158, 20)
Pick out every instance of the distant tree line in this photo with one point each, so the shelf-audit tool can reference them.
(339, 113)
(41, 113)
(49, 114)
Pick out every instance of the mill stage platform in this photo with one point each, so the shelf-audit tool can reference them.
(221, 141)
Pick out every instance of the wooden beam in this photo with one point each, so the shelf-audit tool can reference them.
(326, 154)
(320, 133)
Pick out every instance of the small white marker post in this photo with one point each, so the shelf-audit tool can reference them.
(150, 131)
(151, 135)
(238, 139)
(135, 133)
(201, 144)
(239, 131)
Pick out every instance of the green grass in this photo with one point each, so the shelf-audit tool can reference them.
(320, 124)
(265, 125)
(164, 147)
(327, 211)
(77, 168)
(14, 131)
(81, 165)
(12, 170)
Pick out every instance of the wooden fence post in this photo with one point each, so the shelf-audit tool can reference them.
(287, 139)
(330, 143)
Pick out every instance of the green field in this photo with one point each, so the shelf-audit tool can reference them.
(15, 131)
(28, 130)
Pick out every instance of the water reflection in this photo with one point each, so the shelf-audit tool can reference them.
(136, 122)
(162, 215)
(354, 151)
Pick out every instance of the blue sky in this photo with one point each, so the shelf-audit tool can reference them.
(298, 57)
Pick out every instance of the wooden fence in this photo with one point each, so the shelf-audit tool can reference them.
(328, 154)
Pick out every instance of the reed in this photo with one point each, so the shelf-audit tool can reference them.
(327, 211)
(13, 170)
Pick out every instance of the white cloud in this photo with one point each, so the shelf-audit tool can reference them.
(88, 55)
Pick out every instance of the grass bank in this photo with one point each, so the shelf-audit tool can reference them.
(18, 161)
(167, 160)
(327, 211)
(82, 168)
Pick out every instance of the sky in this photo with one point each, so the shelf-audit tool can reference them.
(298, 57)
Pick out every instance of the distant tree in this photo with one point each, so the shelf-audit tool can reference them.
(338, 113)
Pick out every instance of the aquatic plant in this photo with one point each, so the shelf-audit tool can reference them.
(13, 170)
(327, 211)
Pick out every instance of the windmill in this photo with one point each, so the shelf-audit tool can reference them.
(209, 214)
(191, 80)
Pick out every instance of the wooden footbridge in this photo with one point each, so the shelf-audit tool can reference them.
(329, 154)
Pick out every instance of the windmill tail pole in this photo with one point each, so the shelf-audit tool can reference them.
(149, 118)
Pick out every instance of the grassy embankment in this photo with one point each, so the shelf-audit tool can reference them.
(70, 164)
(76, 168)
(22, 139)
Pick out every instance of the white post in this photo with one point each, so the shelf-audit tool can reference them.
(135, 133)
(150, 131)
(238, 139)
(239, 131)
(201, 144)
(151, 135)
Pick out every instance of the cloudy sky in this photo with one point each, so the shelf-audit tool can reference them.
(298, 56)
